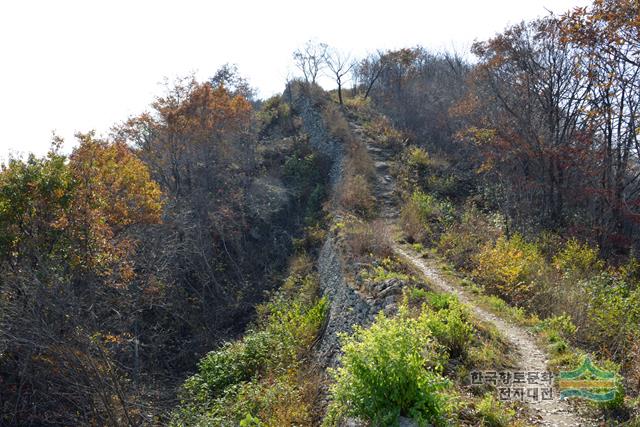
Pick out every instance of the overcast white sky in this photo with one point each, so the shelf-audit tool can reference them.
(78, 65)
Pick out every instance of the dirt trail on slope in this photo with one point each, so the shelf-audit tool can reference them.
(529, 356)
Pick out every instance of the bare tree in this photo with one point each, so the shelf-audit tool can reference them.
(340, 65)
(369, 70)
(311, 59)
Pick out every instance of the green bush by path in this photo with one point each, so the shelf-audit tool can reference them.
(392, 369)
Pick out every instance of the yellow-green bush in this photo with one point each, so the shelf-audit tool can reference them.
(578, 260)
(387, 268)
(614, 313)
(418, 157)
(419, 170)
(431, 209)
(275, 111)
(381, 129)
(510, 268)
(451, 327)
(358, 103)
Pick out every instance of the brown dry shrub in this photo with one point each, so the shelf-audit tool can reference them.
(415, 230)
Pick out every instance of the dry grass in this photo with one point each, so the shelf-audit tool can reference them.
(336, 123)
(369, 238)
(356, 192)
(301, 264)
(356, 196)
(359, 161)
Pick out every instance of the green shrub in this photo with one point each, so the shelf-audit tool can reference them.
(275, 111)
(493, 413)
(617, 402)
(614, 312)
(436, 301)
(419, 170)
(418, 247)
(561, 326)
(418, 157)
(391, 369)
(559, 346)
(380, 128)
(413, 296)
(251, 421)
(433, 210)
(313, 210)
(232, 364)
(385, 269)
(303, 170)
(450, 326)
(441, 301)
(422, 212)
(500, 306)
(443, 186)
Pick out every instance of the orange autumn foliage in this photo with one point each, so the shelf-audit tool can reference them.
(114, 191)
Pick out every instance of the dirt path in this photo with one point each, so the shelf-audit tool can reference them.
(530, 357)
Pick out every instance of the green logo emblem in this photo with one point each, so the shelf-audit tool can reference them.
(588, 382)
